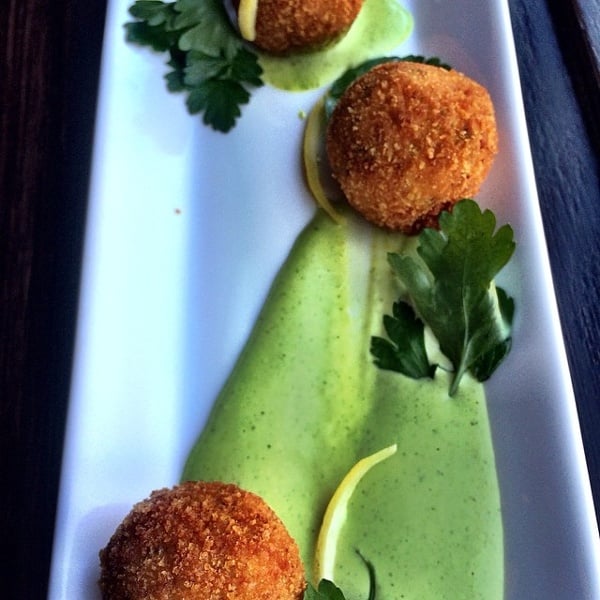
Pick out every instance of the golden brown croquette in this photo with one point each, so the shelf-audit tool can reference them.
(408, 140)
(201, 541)
(284, 26)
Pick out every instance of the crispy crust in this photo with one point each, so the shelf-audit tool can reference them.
(284, 26)
(201, 541)
(408, 140)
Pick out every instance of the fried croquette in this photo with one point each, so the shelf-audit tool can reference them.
(286, 26)
(201, 541)
(407, 140)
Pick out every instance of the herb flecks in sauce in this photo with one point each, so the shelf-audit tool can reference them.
(304, 403)
(336, 512)
(326, 590)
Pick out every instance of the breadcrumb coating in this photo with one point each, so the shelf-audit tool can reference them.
(201, 541)
(408, 140)
(284, 26)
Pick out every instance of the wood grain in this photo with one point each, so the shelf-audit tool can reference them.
(48, 85)
(48, 78)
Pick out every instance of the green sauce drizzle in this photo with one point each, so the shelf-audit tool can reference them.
(380, 26)
(304, 403)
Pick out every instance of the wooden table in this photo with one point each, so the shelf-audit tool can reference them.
(48, 85)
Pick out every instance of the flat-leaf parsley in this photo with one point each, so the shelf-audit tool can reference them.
(326, 590)
(208, 59)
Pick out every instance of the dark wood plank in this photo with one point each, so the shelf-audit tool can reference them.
(561, 92)
(48, 76)
(577, 27)
(48, 80)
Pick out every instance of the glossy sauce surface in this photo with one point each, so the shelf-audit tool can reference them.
(304, 403)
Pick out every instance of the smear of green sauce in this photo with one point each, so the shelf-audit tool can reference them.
(380, 26)
(304, 403)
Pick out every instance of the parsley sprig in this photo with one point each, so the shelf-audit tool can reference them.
(208, 60)
(327, 590)
(450, 288)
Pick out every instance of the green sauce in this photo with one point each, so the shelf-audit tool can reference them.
(304, 403)
(380, 26)
(428, 518)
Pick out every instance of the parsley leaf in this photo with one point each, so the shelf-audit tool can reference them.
(207, 28)
(219, 100)
(450, 285)
(326, 590)
(208, 59)
(485, 365)
(154, 25)
(372, 580)
(176, 78)
(405, 350)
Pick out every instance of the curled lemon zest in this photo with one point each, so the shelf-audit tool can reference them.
(314, 132)
(247, 19)
(335, 514)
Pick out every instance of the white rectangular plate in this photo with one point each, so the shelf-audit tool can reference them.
(185, 232)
